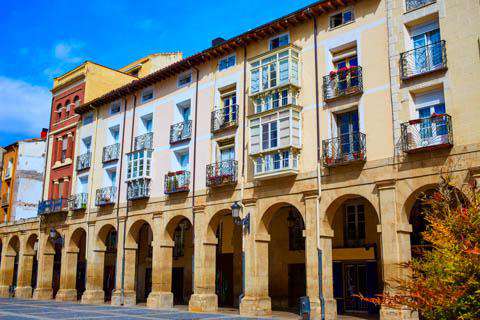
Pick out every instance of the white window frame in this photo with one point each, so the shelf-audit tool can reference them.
(139, 164)
(342, 12)
(227, 59)
(184, 76)
(278, 37)
(147, 91)
(87, 118)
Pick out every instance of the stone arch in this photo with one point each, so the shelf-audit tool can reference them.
(171, 224)
(134, 231)
(75, 239)
(13, 246)
(213, 223)
(102, 234)
(29, 246)
(269, 214)
(335, 204)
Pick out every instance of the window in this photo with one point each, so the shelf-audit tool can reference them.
(111, 176)
(88, 118)
(226, 62)
(67, 108)
(355, 225)
(425, 40)
(183, 159)
(280, 41)
(82, 186)
(348, 128)
(184, 79)
(139, 164)
(147, 122)
(269, 135)
(115, 107)
(64, 148)
(274, 100)
(295, 231)
(76, 101)
(87, 144)
(147, 95)
(59, 112)
(341, 18)
(114, 134)
(428, 104)
(179, 239)
(184, 110)
(227, 153)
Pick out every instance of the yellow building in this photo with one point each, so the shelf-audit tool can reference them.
(282, 163)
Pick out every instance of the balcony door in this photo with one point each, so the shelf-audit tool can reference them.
(347, 79)
(229, 111)
(348, 128)
(427, 48)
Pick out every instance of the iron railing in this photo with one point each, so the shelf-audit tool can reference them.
(224, 118)
(344, 149)
(105, 196)
(111, 153)
(427, 133)
(78, 201)
(343, 82)
(222, 173)
(180, 131)
(145, 141)
(52, 206)
(138, 189)
(423, 60)
(178, 181)
(84, 161)
(415, 4)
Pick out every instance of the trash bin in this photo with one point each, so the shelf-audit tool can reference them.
(304, 303)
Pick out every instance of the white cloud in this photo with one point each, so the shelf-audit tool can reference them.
(24, 108)
(66, 51)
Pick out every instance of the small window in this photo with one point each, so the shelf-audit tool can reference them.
(64, 148)
(279, 41)
(115, 107)
(184, 79)
(88, 118)
(355, 225)
(147, 95)
(226, 62)
(341, 18)
(59, 112)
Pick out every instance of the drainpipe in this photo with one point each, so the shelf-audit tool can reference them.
(194, 167)
(244, 111)
(319, 173)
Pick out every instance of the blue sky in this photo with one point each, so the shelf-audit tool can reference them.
(43, 39)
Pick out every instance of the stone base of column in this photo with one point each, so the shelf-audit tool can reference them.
(255, 306)
(160, 300)
(129, 298)
(402, 314)
(66, 295)
(93, 297)
(42, 294)
(23, 292)
(4, 292)
(330, 309)
(203, 303)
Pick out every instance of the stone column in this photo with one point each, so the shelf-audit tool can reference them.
(70, 146)
(44, 291)
(6, 269)
(204, 298)
(161, 295)
(66, 188)
(68, 291)
(59, 150)
(25, 267)
(329, 302)
(256, 301)
(56, 190)
(94, 293)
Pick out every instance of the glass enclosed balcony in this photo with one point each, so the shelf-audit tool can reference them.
(111, 153)
(343, 82)
(427, 134)
(144, 141)
(105, 196)
(180, 132)
(78, 201)
(345, 149)
(224, 118)
(424, 59)
(138, 189)
(84, 161)
(276, 164)
(178, 181)
(415, 4)
(52, 206)
(222, 173)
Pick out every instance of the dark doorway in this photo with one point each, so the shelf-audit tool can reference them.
(297, 285)
(15, 271)
(224, 280)
(81, 266)
(110, 261)
(57, 266)
(33, 282)
(177, 286)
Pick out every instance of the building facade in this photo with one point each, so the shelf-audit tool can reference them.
(282, 163)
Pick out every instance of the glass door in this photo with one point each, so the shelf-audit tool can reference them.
(229, 108)
(347, 78)
(427, 51)
(432, 129)
(348, 128)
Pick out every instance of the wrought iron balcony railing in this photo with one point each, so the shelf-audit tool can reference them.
(178, 181)
(78, 201)
(222, 173)
(224, 118)
(84, 161)
(180, 132)
(105, 196)
(415, 4)
(52, 206)
(111, 153)
(145, 141)
(344, 149)
(342, 82)
(423, 60)
(138, 189)
(427, 133)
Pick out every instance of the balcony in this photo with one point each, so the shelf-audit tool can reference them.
(222, 173)
(423, 60)
(345, 149)
(78, 201)
(111, 153)
(138, 189)
(84, 161)
(8, 174)
(343, 82)
(178, 181)
(52, 206)
(145, 141)
(416, 4)
(427, 134)
(180, 132)
(224, 118)
(105, 196)
(276, 164)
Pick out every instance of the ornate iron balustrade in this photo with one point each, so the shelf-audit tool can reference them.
(111, 153)
(145, 141)
(84, 161)
(52, 206)
(427, 134)
(178, 181)
(180, 132)
(344, 149)
(105, 196)
(423, 60)
(343, 82)
(222, 173)
(415, 4)
(78, 201)
(138, 189)
(224, 118)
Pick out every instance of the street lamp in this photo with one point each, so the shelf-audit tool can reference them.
(55, 236)
(245, 222)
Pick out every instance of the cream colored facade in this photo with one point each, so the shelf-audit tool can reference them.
(318, 210)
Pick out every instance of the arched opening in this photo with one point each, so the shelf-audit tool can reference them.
(57, 264)
(79, 238)
(67, 108)
(110, 262)
(32, 248)
(143, 235)
(14, 251)
(355, 254)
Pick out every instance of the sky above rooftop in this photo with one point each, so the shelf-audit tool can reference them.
(43, 39)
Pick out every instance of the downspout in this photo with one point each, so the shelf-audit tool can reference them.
(242, 185)
(194, 167)
(319, 173)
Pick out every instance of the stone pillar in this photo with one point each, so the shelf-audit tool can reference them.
(6, 269)
(161, 295)
(203, 298)
(25, 267)
(56, 190)
(68, 291)
(329, 302)
(59, 150)
(70, 146)
(44, 291)
(94, 293)
(66, 188)
(256, 301)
